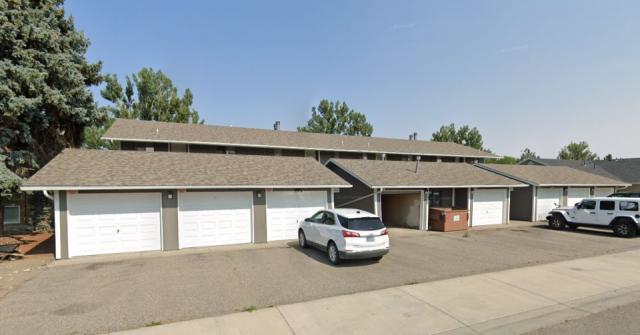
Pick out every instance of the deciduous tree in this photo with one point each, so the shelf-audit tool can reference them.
(577, 151)
(337, 118)
(464, 135)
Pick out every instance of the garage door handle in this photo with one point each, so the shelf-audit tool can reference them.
(592, 212)
(117, 231)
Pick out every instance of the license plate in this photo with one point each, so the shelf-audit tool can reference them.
(371, 238)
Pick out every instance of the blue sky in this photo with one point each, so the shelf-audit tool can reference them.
(534, 74)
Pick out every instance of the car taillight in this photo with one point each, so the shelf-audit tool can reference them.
(346, 233)
(385, 232)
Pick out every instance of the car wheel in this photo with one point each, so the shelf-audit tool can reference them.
(333, 254)
(624, 229)
(572, 226)
(557, 222)
(302, 239)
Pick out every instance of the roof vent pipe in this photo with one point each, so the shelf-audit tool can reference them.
(276, 126)
(417, 163)
(410, 137)
(415, 136)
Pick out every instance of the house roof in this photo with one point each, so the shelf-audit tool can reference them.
(154, 131)
(402, 174)
(113, 169)
(626, 169)
(541, 175)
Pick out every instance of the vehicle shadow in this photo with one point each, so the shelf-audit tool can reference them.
(320, 256)
(582, 230)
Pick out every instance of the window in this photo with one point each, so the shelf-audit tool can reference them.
(329, 219)
(628, 206)
(11, 215)
(607, 205)
(587, 204)
(361, 223)
(318, 217)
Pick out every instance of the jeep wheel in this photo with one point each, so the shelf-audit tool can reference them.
(624, 228)
(557, 222)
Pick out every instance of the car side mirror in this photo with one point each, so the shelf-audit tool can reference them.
(307, 219)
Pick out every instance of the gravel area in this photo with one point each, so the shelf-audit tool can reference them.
(103, 296)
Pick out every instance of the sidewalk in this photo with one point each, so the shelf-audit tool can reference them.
(507, 302)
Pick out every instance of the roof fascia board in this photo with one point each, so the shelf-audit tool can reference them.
(449, 186)
(294, 147)
(170, 187)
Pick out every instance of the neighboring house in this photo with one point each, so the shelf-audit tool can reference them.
(12, 206)
(181, 137)
(625, 169)
(551, 187)
(123, 201)
(402, 192)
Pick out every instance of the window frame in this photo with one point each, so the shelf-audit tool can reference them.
(629, 210)
(612, 202)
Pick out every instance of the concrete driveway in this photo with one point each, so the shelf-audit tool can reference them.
(98, 295)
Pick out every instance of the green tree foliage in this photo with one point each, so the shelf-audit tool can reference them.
(608, 157)
(577, 151)
(146, 95)
(464, 135)
(44, 85)
(528, 154)
(337, 118)
(503, 160)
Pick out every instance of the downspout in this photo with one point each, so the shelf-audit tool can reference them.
(47, 195)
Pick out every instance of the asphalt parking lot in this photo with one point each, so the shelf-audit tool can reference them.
(103, 296)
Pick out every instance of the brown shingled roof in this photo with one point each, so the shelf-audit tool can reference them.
(402, 174)
(540, 175)
(154, 131)
(107, 169)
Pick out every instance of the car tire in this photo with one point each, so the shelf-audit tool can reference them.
(333, 254)
(624, 228)
(302, 239)
(572, 226)
(557, 222)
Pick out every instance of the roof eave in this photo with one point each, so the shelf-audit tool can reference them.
(488, 156)
(169, 187)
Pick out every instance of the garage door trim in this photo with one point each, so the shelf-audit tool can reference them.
(71, 229)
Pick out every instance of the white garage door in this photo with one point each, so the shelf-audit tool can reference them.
(548, 199)
(214, 218)
(106, 223)
(286, 208)
(576, 194)
(488, 207)
(603, 191)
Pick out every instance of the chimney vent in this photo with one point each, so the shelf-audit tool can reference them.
(417, 163)
(415, 136)
(276, 126)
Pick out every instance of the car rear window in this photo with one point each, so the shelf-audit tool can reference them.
(361, 223)
(628, 206)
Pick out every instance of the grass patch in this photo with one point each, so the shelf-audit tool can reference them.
(250, 309)
(153, 324)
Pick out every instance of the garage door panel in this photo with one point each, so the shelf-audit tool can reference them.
(286, 208)
(101, 223)
(214, 218)
(548, 199)
(488, 207)
(576, 194)
(603, 191)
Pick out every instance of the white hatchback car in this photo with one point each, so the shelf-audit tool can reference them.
(345, 234)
